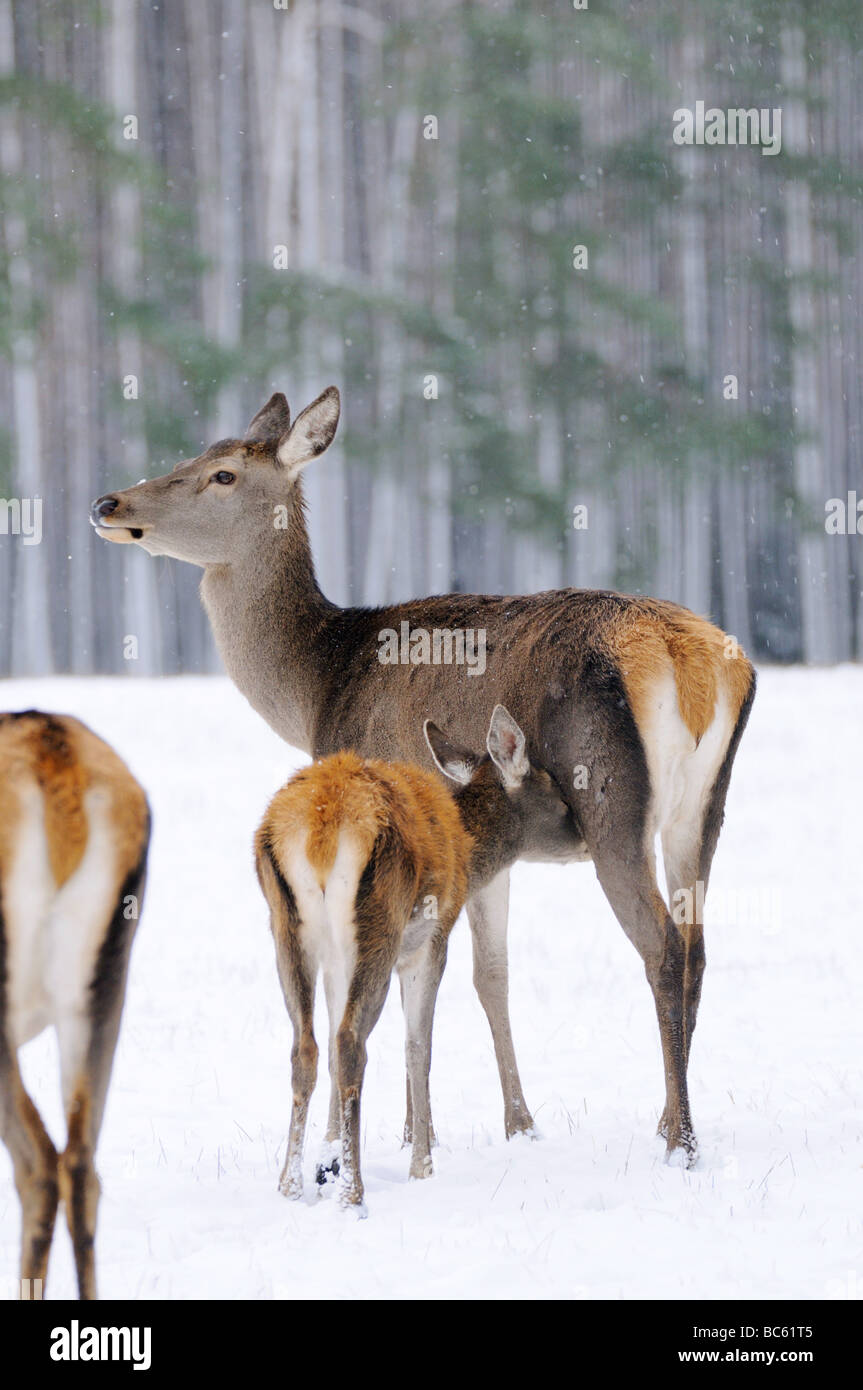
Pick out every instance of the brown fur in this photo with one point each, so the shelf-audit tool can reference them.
(416, 847)
(650, 634)
(79, 1187)
(66, 761)
(579, 669)
(367, 795)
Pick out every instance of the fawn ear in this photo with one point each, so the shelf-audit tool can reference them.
(272, 421)
(451, 759)
(506, 745)
(311, 433)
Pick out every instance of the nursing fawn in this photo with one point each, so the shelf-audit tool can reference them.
(74, 831)
(366, 866)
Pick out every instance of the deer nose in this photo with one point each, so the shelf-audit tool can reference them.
(104, 506)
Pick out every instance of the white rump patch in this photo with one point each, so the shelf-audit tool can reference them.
(328, 932)
(55, 935)
(682, 774)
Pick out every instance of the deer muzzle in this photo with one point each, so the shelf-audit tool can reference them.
(109, 515)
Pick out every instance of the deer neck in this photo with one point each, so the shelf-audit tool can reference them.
(268, 617)
(495, 833)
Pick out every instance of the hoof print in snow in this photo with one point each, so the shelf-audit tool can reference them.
(327, 1172)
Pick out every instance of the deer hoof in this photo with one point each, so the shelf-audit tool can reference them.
(526, 1131)
(422, 1168)
(521, 1124)
(351, 1202)
(681, 1149)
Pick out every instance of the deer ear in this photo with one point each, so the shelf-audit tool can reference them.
(312, 432)
(506, 746)
(271, 422)
(455, 762)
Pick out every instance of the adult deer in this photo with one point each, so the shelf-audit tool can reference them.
(365, 866)
(74, 831)
(635, 706)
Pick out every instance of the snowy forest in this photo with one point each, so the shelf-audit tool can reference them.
(571, 351)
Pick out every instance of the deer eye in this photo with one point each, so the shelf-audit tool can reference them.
(223, 476)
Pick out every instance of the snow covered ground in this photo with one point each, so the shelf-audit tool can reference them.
(194, 1133)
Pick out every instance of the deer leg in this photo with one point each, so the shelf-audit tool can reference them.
(694, 961)
(487, 913)
(329, 1159)
(688, 846)
(80, 1188)
(34, 1162)
(681, 849)
(632, 892)
(34, 1157)
(408, 1135)
(297, 975)
(366, 998)
(420, 978)
(86, 1058)
(297, 965)
(87, 1030)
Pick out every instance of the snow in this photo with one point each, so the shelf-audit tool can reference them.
(194, 1135)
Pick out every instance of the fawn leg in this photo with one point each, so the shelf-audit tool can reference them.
(297, 975)
(420, 977)
(297, 969)
(34, 1161)
(365, 1001)
(487, 913)
(330, 1155)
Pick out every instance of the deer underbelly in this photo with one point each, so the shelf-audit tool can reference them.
(578, 854)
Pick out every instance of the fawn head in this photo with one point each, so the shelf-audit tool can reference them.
(503, 797)
(208, 510)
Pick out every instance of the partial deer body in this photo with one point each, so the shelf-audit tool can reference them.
(634, 705)
(366, 866)
(74, 830)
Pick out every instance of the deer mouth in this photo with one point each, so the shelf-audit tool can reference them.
(117, 532)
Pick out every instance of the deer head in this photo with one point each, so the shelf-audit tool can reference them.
(519, 804)
(209, 510)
